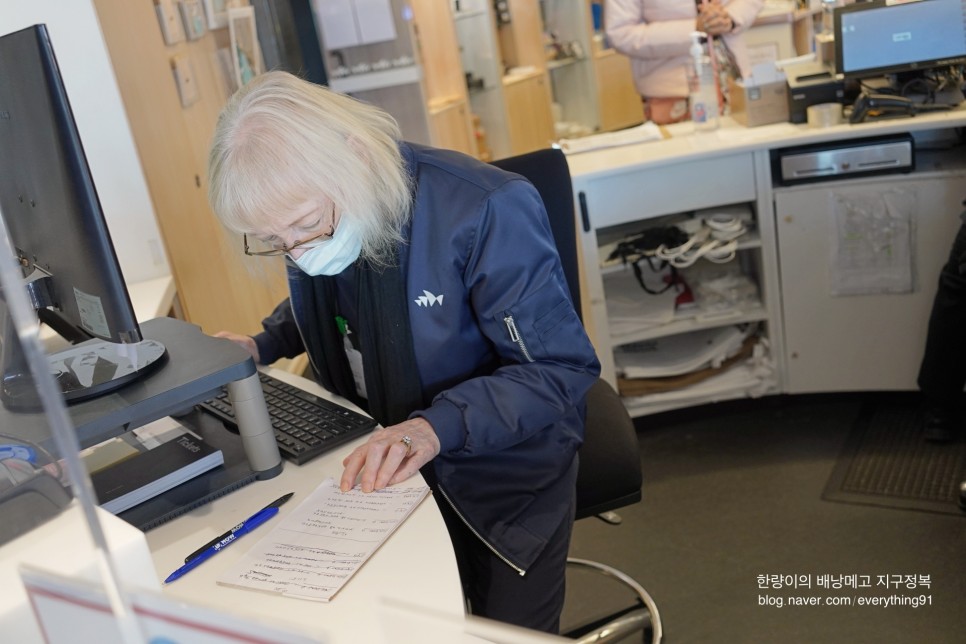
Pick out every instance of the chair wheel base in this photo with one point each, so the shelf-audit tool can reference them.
(642, 616)
(610, 517)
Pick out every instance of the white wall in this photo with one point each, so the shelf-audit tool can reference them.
(96, 102)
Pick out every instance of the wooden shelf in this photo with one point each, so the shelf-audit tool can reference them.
(466, 14)
(510, 79)
(444, 102)
(562, 62)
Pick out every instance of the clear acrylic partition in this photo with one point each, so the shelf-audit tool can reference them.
(42, 477)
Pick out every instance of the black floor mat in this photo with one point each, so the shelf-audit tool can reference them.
(886, 462)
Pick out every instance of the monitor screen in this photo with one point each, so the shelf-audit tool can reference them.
(54, 220)
(886, 37)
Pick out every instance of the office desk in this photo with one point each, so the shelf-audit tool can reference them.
(817, 342)
(415, 565)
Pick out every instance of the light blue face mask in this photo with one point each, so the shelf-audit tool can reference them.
(335, 255)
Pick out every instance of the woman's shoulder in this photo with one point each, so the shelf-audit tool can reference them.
(435, 167)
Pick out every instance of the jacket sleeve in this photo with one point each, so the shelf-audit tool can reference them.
(519, 299)
(634, 35)
(630, 33)
(743, 12)
(280, 336)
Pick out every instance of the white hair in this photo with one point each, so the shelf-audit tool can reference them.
(281, 141)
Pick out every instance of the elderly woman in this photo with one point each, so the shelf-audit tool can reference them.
(425, 287)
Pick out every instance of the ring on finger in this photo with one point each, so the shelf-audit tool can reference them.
(408, 442)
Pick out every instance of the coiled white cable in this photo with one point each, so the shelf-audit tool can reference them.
(699, 245)
(725, 227)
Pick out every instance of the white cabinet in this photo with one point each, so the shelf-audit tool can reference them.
(623, 319)
(871, 339)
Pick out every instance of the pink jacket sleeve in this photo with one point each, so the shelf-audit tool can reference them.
(662, 28)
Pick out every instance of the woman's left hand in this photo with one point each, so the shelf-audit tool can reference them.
(392, 454)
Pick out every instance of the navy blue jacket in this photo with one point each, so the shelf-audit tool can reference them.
(499, 348)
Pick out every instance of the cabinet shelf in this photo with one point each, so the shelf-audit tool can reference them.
(443, 102)
(693, 320)
(751, 379)
(519, 77)
(467, 14)
(562, 62)
(748, 241)
(376, 80)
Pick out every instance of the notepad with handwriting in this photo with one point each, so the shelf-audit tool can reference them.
(316, 549)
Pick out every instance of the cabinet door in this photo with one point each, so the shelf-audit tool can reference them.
(858, 342)
(620, 104)
(529, 119)
(451, 128)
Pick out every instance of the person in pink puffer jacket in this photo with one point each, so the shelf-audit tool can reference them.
(655, 35)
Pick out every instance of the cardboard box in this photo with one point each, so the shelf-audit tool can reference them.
(758, 104)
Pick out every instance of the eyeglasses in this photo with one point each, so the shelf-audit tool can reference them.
(311, 242)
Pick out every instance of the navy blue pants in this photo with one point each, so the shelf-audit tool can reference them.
(942, 374)
(495, 590)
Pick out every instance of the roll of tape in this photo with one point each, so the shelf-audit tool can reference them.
(824, 114)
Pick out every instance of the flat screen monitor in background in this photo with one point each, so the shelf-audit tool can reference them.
(887, 37)
(53, 217)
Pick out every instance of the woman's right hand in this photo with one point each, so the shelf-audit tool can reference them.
(713, 19)
(246, 342)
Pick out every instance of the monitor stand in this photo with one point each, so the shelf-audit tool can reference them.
(195, 369)
(87, 370)
(95, 368)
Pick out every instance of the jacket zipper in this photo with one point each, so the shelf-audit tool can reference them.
(516, 337)
(520, 571)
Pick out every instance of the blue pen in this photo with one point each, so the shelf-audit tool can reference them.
(247, 526)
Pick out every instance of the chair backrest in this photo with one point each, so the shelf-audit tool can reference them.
(547, 170)
(610, 467)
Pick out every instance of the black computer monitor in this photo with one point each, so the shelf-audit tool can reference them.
(887, 37)
(54, 219)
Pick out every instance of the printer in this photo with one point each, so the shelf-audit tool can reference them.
(811, 83)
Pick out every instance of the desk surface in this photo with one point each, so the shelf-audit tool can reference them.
(684, 145)
(415, 565)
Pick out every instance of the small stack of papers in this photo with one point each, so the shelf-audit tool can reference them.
(644, 132)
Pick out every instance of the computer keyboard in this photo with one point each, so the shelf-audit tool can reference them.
(305, 425)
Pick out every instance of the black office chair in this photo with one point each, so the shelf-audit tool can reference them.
(609, 476)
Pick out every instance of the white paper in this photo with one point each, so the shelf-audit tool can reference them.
(160, 431)
(680, 353)
(314, 551)
(872, 242)
(642, 133)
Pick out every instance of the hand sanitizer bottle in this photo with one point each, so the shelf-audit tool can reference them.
(703, 91)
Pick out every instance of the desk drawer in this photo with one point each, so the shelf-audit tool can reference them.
(666, 189)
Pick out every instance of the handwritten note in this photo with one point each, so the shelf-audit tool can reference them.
(314, 551)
